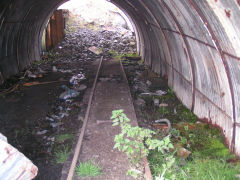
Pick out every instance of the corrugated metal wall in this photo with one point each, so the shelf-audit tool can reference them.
(195, 44)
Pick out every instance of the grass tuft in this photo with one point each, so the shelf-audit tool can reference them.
(209, 169)
(88, 169)
(62, 155)
(197, 169)
(63, 137)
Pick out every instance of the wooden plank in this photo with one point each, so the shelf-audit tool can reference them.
(55, 30)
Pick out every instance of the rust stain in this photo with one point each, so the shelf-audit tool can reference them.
(230, 55)
(202, 42)
(228, 13)
(185, 52)
(238, 1)
(227, 69)
(7, 150)
(5, 160)
(237, 124)
(222, 94)
(197, 90)
(190, 56)
(34, 171)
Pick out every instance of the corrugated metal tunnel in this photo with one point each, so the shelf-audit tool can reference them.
(195, 44)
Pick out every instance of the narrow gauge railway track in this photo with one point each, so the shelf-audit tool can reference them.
(106, 96)
(80, 139)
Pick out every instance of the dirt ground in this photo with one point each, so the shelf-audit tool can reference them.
(23, 116)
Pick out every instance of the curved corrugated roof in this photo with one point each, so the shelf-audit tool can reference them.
(196, 44)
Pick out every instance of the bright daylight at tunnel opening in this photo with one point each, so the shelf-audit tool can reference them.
(119, 89)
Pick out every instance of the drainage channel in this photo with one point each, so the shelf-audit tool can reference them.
(110, 92)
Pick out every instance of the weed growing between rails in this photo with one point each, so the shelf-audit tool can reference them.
(62, 154)
(137, 142)
(121, 56)
(61, 138)
(88, 169)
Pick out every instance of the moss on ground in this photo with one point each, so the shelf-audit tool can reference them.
(209, 156)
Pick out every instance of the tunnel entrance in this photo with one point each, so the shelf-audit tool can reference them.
(193, 45)
(37, 114)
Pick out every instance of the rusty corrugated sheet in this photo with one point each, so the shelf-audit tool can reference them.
(200, 57)
(13, 164)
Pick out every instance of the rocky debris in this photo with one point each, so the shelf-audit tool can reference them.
(163, 105)
(76, 79)
(54, 69)
(83, 46)
(80, 87)
(157, 93)
(140, 102)
(156, 102)
(164, 122)
(69, 93)
(100, 42)
(30, 74)
(54, 125)
(95, 50)
(160, 92)
(183, 153)
(149, 83)
(42, 132)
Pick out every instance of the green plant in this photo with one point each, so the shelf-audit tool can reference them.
(88, 169)
(208, 158)
(208, 169)
(63, 137)
(142, 61)
(163, 110)
(62, 155)
(131, 54)
(136, 142)
(101, 50)
(112, 53)
(214, 148)
(186, 115)
(116, 55)
(163, 166)
(171, 92)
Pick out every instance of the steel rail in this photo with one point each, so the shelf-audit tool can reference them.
(80, 139)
